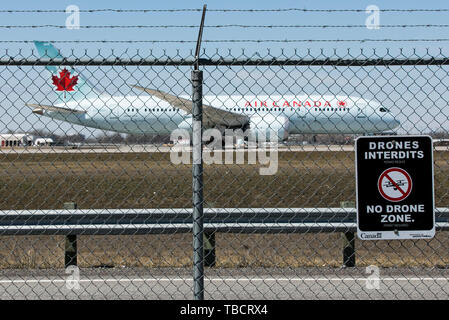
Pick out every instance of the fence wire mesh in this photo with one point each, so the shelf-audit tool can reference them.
(95, 167)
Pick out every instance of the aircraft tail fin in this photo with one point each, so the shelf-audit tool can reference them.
(69, 84)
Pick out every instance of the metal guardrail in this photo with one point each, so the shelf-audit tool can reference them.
(158, 221)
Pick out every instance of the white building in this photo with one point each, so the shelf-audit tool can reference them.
(15, 140)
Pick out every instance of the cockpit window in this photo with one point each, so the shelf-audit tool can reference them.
(384, 110)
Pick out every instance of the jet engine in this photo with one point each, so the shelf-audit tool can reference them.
(264, 127)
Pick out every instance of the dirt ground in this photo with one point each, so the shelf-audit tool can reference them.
(304, 179)
(150, 180)
(232, 250)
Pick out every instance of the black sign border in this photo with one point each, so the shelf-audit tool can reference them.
(403, 234)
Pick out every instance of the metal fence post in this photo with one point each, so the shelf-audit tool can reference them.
(197, 172)
(70, 253)
(348, 241)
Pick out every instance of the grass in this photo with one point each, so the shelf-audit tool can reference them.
(232, 250)
(150, 180)
(304, 179)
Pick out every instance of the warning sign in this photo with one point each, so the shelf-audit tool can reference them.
(394, 177)
(395, 184)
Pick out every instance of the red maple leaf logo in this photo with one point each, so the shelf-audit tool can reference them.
(64, 82)
(341, 103)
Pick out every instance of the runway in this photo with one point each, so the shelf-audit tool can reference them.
(160, 149)
(233, 284)
(97, 148)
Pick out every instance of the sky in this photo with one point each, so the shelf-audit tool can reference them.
(14, 97)
(220, 18)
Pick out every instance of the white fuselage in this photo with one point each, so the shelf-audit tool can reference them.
(145, 114)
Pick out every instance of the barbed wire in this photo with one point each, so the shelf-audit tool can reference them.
(327, 10)
(331, 40)
(216, 10)
(99, 10)
(223, 26)
(231, 40)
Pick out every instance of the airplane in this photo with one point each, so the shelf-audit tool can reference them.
(399, 183)
(157, 112)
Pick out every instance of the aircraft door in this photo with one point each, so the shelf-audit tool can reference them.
(361, 112)
(362, 118)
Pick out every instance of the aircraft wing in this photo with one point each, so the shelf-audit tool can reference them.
(39, 108)
(211, 115)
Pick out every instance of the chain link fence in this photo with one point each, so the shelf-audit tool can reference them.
(96, 175)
